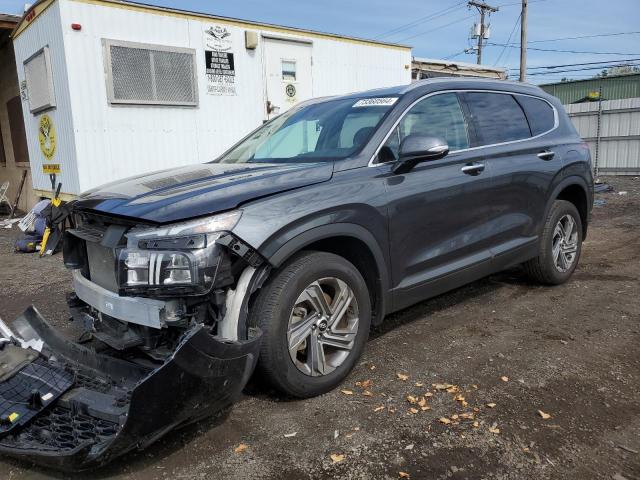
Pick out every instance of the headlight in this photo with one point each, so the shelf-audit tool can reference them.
(181, 255)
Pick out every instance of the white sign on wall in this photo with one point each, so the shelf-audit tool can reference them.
(219, 62)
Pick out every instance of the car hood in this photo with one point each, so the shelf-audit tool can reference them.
(197, 190)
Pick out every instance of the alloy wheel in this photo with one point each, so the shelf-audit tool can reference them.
(565, 243)
(322, 326)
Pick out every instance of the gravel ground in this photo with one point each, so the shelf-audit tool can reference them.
(508, 347)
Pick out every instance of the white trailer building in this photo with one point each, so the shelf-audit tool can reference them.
(112, 89)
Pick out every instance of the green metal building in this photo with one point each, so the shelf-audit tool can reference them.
(613, 88)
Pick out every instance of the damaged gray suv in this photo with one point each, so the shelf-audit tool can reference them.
(285, 251)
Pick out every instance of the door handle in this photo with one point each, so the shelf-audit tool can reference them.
(473, 169)
(546, 155)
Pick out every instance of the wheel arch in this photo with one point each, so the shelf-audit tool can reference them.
(352, 242)
(573, 189)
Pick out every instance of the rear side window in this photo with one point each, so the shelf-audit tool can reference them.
(539, 113)
(497, 117)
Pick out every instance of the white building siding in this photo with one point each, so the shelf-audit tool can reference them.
(45, 31)
(118, 141)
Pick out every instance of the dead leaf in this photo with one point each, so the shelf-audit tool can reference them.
(453, 389)
(404, 475)
(364, 385)
(413, 410)
(444, 420)
(545, 416)
(240, 448)
(495, 430)
(441, 386)
(411, 399)
(454, 417)
(422, 402)
(347, 392)
(491, 405)
(459, 398)
(372, 367)
(335, 457)
(465, 404)
(424, 408)
(419, 384)
(467, 415)
(476, 424)
(428, 394)
(379, 409)
(289, 435)
(402, 376)
(504, 378)
(367, 393)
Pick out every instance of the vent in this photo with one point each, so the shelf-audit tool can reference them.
(37, 74)
(147, 74)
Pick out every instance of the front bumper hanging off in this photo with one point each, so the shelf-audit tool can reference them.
(109, 406)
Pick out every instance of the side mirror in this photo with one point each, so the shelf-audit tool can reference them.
(419, 148)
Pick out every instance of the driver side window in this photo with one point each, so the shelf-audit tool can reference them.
(436, 116)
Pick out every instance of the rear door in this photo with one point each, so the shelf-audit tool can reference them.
(438, 210)
(288, 77)
(522, 165)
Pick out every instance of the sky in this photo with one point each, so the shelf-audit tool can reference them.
(440, 29)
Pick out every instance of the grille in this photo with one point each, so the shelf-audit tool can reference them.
(61, 430)
(146, 75)
(16, 393)
(37, 73)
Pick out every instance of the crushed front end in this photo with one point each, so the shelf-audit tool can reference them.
(166, 341)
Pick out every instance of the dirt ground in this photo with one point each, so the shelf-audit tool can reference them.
(572, 352)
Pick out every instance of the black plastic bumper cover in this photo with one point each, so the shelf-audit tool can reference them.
(203, 376)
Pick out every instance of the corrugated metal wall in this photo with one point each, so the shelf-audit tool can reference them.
(616, 144)
(46, 30)
(613, 88)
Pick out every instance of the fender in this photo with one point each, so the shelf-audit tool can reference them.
(564, 183)
(358, 232)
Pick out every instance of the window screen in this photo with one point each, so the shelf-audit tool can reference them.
(37, 74)
(539, 113)
(147, 74)
(498, 117)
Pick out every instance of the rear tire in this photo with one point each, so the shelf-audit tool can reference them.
(560, 246)
(308, 347)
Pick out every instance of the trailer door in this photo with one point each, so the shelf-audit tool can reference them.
(287, 74)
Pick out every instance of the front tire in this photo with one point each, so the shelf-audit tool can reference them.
(315, 314)
(560, 245)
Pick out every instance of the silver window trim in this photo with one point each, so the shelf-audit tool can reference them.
(47, 63)
(556, 122)
(106, 55)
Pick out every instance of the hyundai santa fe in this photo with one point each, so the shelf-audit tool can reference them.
(283, 252)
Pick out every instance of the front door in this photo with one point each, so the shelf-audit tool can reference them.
(287, 74)
(438, 210)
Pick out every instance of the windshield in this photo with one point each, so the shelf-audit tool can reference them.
(324, 131)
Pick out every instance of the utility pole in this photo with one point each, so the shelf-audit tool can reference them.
(482, 8)
(523, 42)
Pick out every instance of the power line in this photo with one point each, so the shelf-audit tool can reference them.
(437, 28)
(431, 16)
(617, 61)
(580, 37)
(585, 68)
(515, 25)
(561, 51)
(449, 57)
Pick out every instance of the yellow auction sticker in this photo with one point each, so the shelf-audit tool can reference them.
(47, 136)
(49, 168)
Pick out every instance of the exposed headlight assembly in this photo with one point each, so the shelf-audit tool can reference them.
(179, 257)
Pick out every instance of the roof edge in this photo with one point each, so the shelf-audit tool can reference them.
(40, 6)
